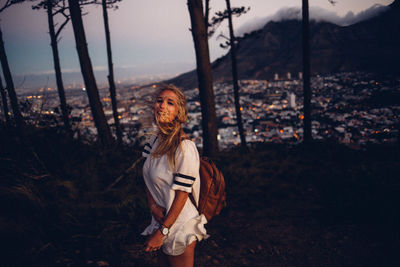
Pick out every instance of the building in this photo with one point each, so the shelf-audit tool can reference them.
(292, 100)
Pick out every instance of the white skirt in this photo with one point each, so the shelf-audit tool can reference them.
(180, 235)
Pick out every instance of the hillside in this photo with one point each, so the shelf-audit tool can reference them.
(322, 205)
(370, 46)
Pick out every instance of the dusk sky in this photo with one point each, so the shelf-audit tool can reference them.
(149, 35)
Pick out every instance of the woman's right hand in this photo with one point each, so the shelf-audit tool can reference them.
(158, 213)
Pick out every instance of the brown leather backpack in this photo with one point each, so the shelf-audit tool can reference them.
(212, 189)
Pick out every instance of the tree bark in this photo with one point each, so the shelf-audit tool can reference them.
(10, 86)
(57, 68)
(307, 138)
(111, 74)
(206, 13)
(5, 104)
(204, 75)
(235, 78)
(88, 75)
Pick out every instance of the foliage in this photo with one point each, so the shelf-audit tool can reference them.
(220, 16)
(55, 194)
(109, 3)
(61, 7)
(57, 7)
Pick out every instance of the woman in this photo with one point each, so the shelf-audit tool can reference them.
(171, 172)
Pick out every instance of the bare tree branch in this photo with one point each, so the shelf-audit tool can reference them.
(9, 3)
(67, 18)
(126, 172)
(6, 5)
(60, 9)
(221, 35)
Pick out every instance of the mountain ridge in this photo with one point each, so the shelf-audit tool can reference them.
(316, 14)
(370, 45)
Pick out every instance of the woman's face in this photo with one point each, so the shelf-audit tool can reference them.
(166, 106)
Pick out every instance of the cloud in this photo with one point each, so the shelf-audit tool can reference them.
(364, 15)
(316, 13)
(100, 68)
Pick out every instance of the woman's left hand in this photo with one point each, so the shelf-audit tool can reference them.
(154, 242)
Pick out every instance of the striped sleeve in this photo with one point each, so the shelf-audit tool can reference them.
(148, 146)
(187, 167)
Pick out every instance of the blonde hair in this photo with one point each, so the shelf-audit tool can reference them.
(171, 134)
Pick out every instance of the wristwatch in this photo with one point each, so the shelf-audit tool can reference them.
(164, 230)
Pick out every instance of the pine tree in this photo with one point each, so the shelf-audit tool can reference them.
(204, 76)
(53, 8)
(4, 102)
(307, 137)
(231, 42)
(10, 86)
(99, 118)
(111, 69)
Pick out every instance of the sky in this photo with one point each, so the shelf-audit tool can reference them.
(148, 37)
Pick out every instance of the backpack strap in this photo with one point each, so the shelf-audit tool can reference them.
(155, 139)
(193, 201)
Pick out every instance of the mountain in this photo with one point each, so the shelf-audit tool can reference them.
(372, 45)
(316, 14)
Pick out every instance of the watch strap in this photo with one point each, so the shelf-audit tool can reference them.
(164, 230)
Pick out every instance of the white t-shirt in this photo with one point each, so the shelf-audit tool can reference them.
(162, 182)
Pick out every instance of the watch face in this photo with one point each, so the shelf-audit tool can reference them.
(164, 231)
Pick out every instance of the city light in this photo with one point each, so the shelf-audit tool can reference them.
(272, 112)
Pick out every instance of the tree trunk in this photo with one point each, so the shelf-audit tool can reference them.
(88, 75)
(5, 104)
(235, 78)
(10, 86)
(111, 74)
(57, 68)
(207, 13)
(306, 74)
(204, 76)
